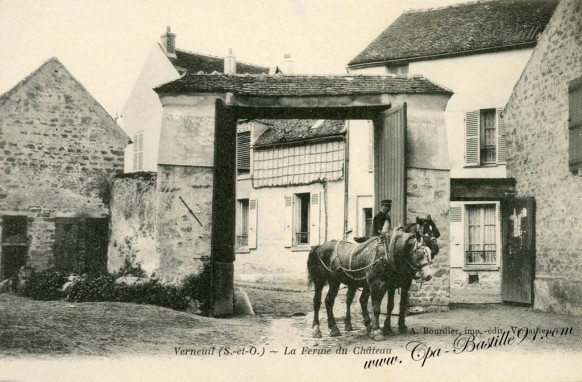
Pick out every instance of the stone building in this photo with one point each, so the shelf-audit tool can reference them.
(478, 50)
(58, 151)
(544, 143)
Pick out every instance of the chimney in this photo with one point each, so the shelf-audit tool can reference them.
(169, 43)
(288, 65)
(230, 63)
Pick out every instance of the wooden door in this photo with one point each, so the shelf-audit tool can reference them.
(96, 241)
(14, 245)
(390, 162)
(518, 261)
(67, 246)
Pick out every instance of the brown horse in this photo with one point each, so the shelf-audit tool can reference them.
(376, 266)
(429, 231)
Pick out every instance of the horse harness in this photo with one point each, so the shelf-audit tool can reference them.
(388, 257)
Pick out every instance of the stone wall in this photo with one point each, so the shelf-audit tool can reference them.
(537, 141)
(428, 194)
(58, 151)
(133, 221)
(181, 240)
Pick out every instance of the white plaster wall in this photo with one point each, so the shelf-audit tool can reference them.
(479, 81)
(143, 110)
(361, 180)
(271, 255)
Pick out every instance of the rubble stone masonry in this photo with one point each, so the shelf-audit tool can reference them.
(537, 137)
(58, 150)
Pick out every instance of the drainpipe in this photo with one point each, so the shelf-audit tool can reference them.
(346, 177)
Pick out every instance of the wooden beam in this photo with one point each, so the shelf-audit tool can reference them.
(341, 113)
(482, 189)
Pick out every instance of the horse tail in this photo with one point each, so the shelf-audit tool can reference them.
(312, 262)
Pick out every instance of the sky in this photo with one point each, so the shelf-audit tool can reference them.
(104, 43)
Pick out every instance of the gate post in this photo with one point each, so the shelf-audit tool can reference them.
(222, 252)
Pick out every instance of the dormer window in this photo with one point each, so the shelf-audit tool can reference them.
(398, 70)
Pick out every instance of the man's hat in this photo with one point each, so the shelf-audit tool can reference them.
(386, 202)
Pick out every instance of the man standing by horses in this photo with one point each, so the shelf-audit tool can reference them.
(382, 222)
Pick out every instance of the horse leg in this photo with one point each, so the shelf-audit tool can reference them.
(387, 330)
(403, 306)
(329, 301)
(316, 306)
(377, 291)
(349, 298)
(364, 304)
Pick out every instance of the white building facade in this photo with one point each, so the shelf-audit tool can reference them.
(478, 51)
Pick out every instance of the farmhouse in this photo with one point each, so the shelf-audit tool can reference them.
(544, 145)
(478, 50)
(59, 149)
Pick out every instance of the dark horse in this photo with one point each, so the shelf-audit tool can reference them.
(375, 270)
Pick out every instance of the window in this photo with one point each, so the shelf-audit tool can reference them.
(489, 138)
(402, 69)
(484, 137)
(242, 235)
(481, 244)
(575, 125)
(138, 151)
(243, 152)
(301, 225)
(368, 222)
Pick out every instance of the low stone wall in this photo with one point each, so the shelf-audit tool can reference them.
(133, 221)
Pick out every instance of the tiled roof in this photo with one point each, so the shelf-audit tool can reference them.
(459, 29)
(304, 85)
(283, 131)
(196, 62)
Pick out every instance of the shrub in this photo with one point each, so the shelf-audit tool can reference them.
(45, 285)
(92, 287)
(197, 287)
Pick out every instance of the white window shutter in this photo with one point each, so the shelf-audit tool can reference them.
(501, 138)
(472, 142)
(314, 217)
(288, 228)
(457, 235)
(253, 214)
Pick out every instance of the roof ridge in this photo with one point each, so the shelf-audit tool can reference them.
(218, 57)
(438, 8)
(7, 93)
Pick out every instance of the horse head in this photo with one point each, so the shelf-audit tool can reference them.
(429, 231)
(421, 258)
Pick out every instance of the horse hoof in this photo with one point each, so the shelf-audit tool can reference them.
(348, 327)
(368, 329)
(387, 332)
(316, 332)
(403, 330)
(377, 335)
(335, 332)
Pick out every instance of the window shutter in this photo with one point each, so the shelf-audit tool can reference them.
(575, 124)
(243, 151)
(472, 143)
(314, 217)
(253, 214)
(287, 229)
(135, 152)
(457, 235)
(501, 138)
